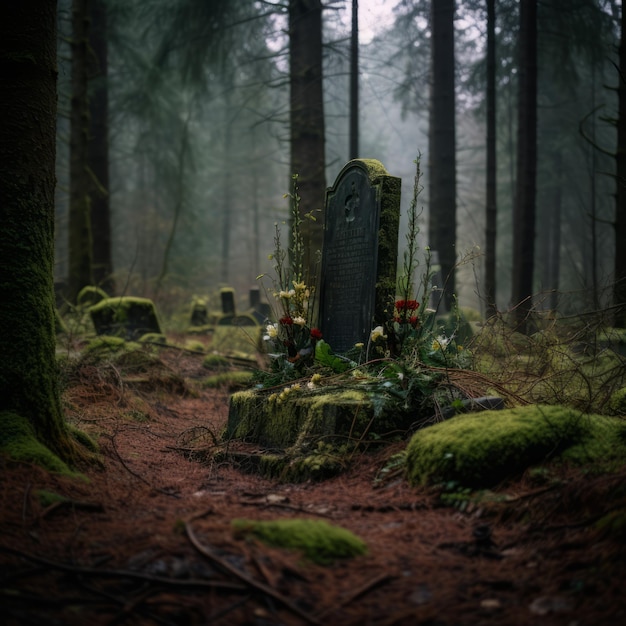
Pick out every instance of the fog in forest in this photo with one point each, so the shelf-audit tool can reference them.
(199, 142)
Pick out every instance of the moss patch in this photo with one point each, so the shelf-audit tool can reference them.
(231, 380)
(298, 418)
(483, 449)
(18, 442)
(318, 541)
(90, 295)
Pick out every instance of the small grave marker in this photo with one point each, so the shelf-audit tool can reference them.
(360, 254)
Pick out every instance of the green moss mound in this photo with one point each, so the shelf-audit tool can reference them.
(482, 449)
(216, 361)
(231, 380)
(318, 541)
(90, 295)
(19, 442)
(125, 317)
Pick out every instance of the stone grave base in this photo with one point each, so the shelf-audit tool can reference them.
(301, 435)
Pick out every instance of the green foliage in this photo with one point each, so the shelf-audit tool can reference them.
(319, 541)
(563, 363)
(290, 342)
(325, 357)
(482, 449)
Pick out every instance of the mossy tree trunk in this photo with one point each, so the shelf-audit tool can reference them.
(619, 289)
(80, 256)
(28, 377)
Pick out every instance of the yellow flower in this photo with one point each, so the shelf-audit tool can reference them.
(300, 321)
(359, 345)
(272, 331)
(299, 286)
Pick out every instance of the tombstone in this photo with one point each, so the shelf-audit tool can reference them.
(360, 254)
(227, 296)
(255, 297)
(199, 314)
(125, 317)
(261, 311)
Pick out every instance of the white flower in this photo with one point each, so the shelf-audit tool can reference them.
(300, 321)
(441, 342)
(378, 333)
(272, 331)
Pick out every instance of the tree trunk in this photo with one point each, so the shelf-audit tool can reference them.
(307, 124)
(98, 148)
(491, 182)
(619, 289)
(28, 377)
(549, 239)
(525, 188)
(80, 274)
(354, 82)
(442, 145)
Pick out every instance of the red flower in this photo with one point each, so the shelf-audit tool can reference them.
(286, 321)
(414, 321)
(400, 304)
(316, 333)
(406, 305)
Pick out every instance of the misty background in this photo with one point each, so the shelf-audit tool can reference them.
(199, 141)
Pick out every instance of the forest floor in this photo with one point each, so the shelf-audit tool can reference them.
(148, 538)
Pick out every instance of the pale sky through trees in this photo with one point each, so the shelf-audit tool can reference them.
(374, 16)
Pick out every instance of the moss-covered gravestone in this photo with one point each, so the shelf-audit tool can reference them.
(304, 426)
(125, 317)
(360, 255)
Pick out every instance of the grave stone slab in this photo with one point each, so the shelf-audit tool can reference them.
(360, 253)
(227, 296)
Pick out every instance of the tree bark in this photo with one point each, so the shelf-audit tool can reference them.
(28, 377)
(354, 82)
(307, 125)
(442, 145)
(491, 216)
(525, 188)
(98, 148)
(619, 289)
(80, 274)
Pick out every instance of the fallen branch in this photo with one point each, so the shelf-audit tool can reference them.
(108, 573)
(380, 580)
(263, 588)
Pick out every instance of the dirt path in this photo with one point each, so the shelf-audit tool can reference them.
(148, 540)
